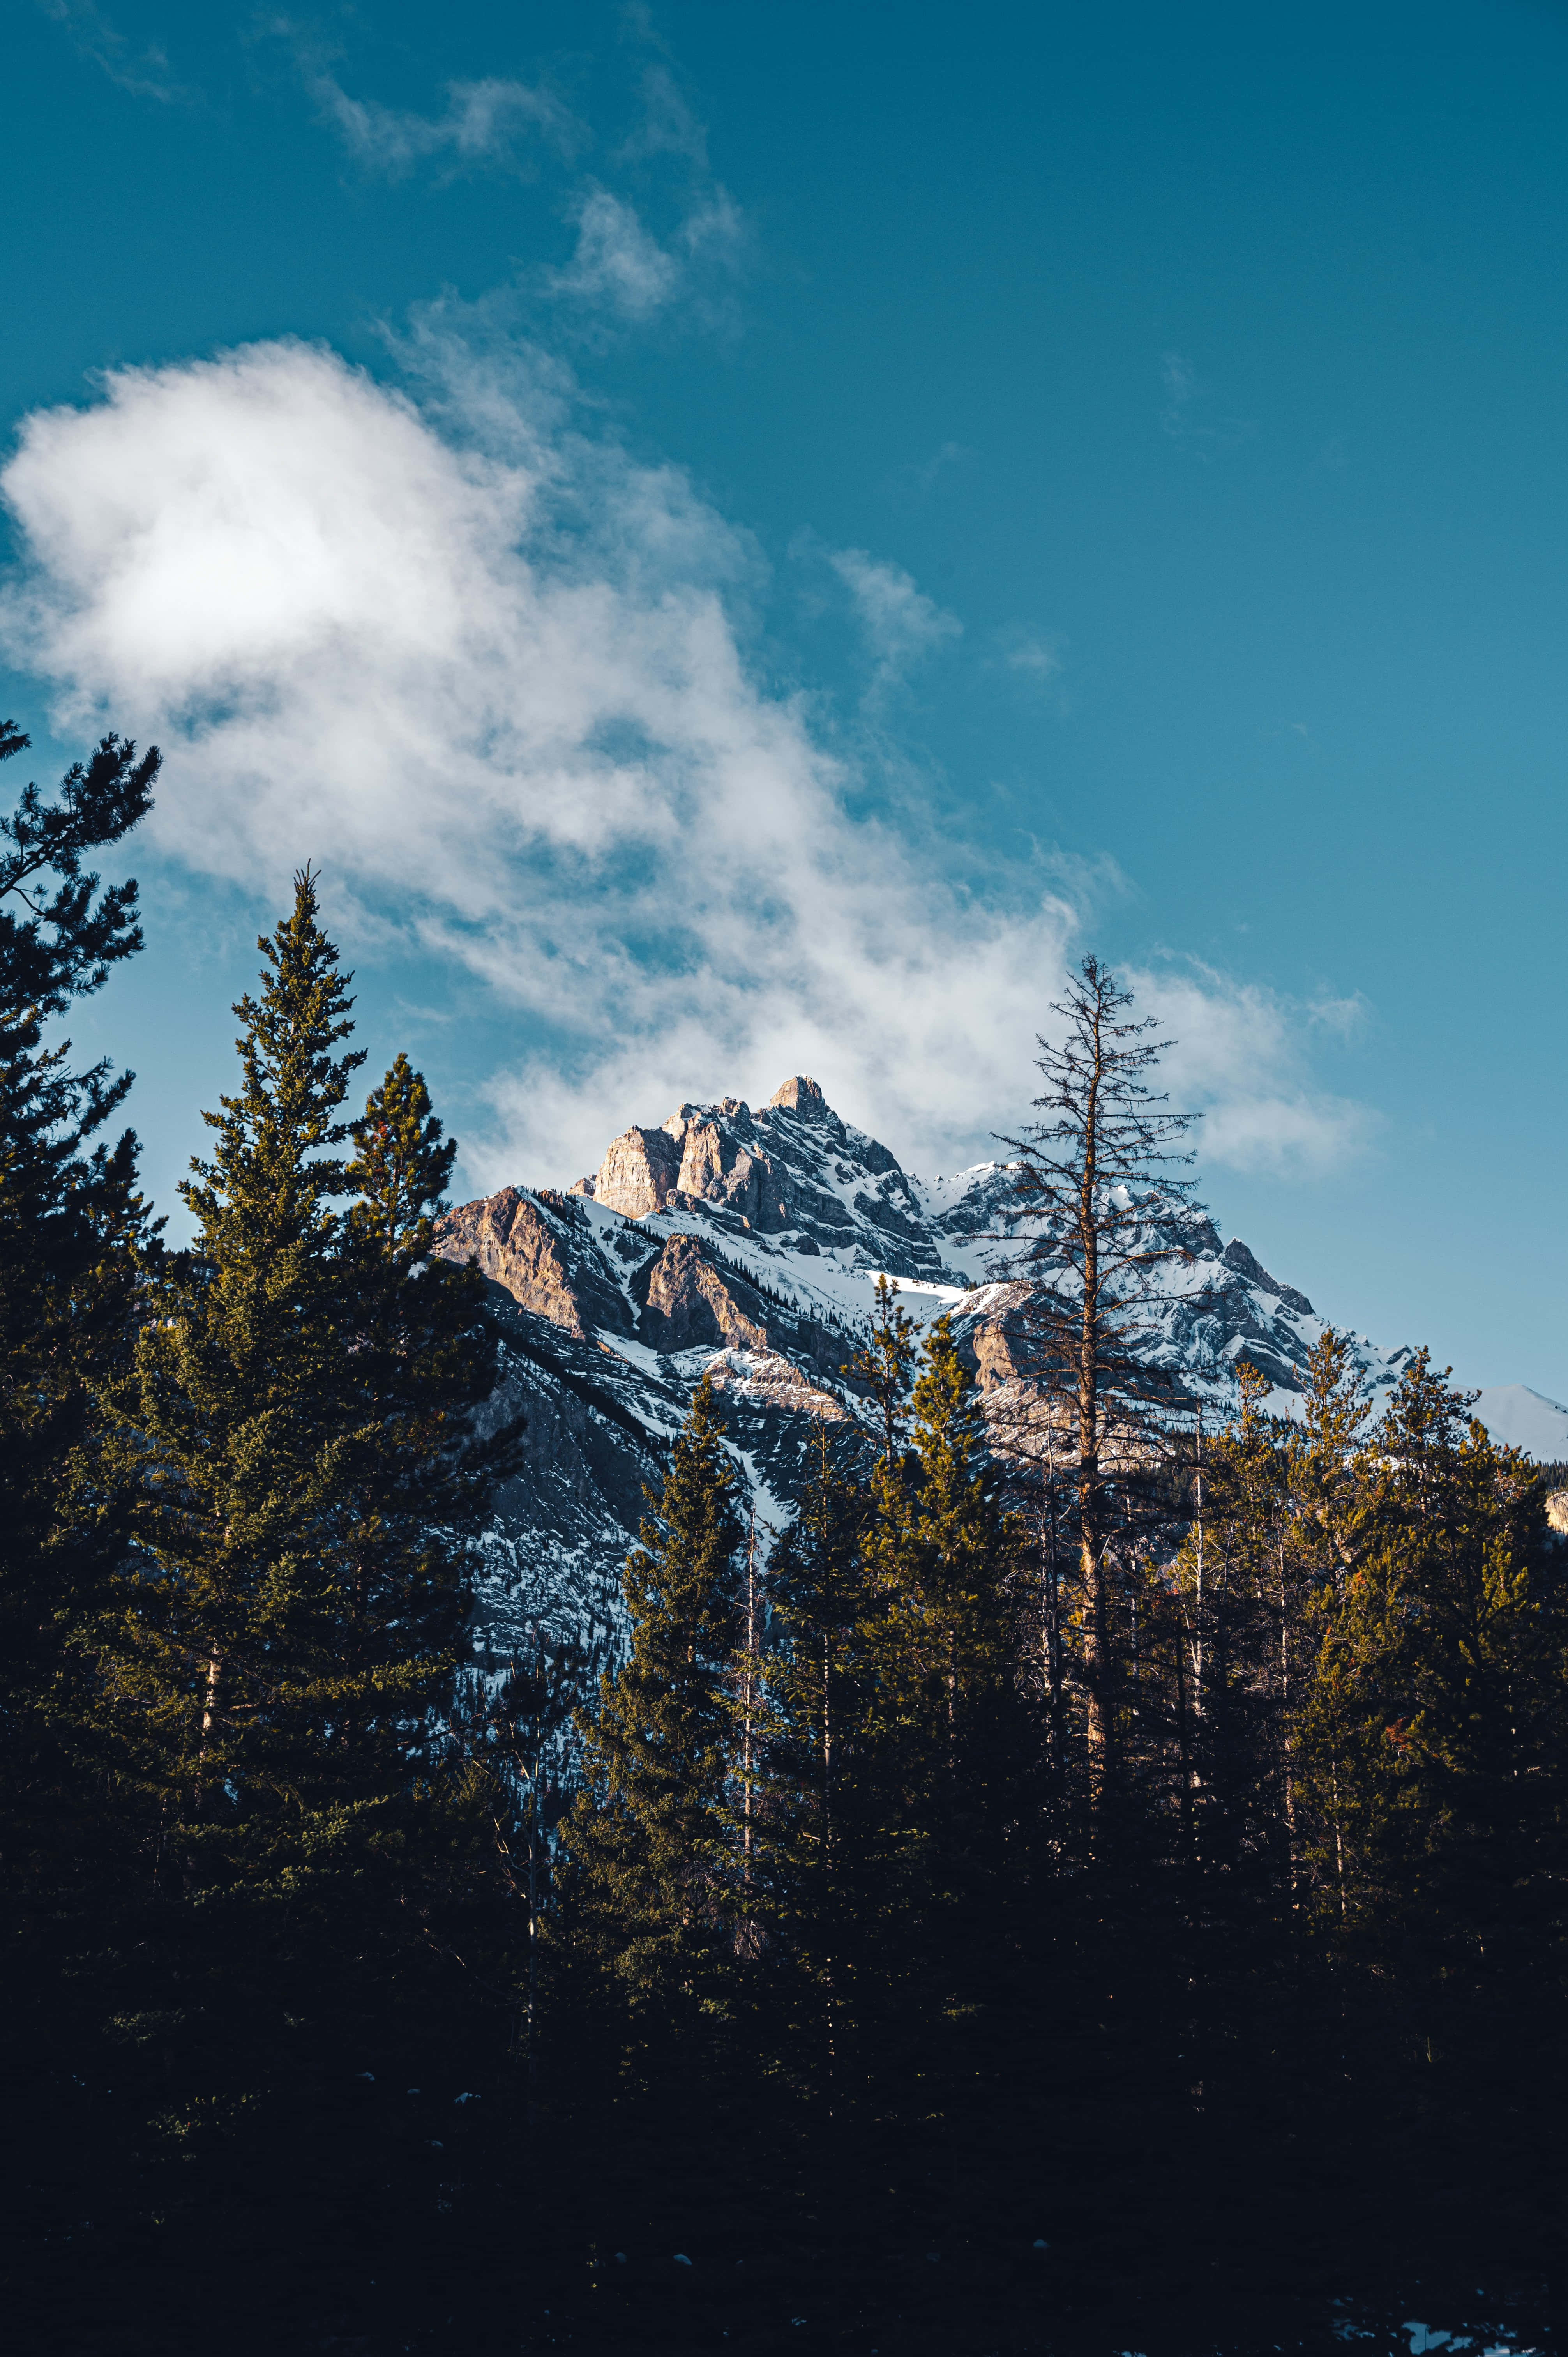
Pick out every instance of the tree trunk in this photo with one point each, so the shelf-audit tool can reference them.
(1092, 1536)
(214, 1670)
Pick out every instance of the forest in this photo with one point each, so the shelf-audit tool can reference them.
(1095, 1882)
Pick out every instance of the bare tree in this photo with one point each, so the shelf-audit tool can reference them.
(1095, 1192)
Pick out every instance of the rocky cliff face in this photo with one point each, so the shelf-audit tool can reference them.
(746, 1242)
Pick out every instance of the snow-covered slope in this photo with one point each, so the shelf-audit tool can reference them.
(748, 1242)
(1521, 1418)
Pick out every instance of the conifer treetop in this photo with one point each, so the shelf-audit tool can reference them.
(274, 1139)
(1106, 1141)
(402, 1165)
(63, 948)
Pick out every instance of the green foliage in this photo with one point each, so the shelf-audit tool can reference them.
(279, 1649)
(1432, 1752)
(880, 1366)
(653, 1883)
(401, 1167)
(842, 1840)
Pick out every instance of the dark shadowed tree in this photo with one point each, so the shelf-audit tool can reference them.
(652, 1894)
(71, 1224)
(280, 1650)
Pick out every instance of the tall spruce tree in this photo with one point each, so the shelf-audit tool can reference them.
(652, 1890)
(71, 1222)
(880, 1366)
(401, 1166)
(1095, 1178)
(1231, 1621)
(958, 1622)
(1432, 1757)
(278, 1652)
(829, 1845)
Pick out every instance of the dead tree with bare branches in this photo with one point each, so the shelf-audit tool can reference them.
(1096, 1180)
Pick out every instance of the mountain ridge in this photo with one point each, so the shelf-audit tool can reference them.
(745, 1242)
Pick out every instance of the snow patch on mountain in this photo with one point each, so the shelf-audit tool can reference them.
(745, 1243)
(1519, 1417)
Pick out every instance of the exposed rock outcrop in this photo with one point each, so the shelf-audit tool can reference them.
(640, 1171)
(721, 1162)
(536, 1255)
(993, 1335)
(688, 1303)
(800, 1095)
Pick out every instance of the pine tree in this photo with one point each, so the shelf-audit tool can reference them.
(881, 1366)
(279, 1651)
(652, 1885)
(416, 1476)
(402, 1169)
(828, 1851)
(961, 1547)
(940, 1553)
(1092, 1177)
(1231, 1628)
(1432, 1748)
(71, 1225)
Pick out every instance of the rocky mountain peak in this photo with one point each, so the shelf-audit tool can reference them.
(800, 1095)
(746, 1242)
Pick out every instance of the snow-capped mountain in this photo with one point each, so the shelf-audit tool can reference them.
(746, 1242)
(1521, 1418)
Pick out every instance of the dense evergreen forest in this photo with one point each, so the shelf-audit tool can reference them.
(1096, 1882)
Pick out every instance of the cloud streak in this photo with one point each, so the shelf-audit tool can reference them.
(490, 124)
(488, 667)
(900, 624)
(143, 73)
(1182, 418)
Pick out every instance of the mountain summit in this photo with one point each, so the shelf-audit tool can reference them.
(745, 1243)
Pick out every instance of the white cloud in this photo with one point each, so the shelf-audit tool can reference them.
(1178, 377)
(617, 261)
(900, 622)
(486, 668)
(1240, 1060)
(620, 267)
(668, 126)
(951, 453)
(1027, 651)
(491, 121)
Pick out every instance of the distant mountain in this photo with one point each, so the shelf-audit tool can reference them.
(746, 1242)
(1521, 1418)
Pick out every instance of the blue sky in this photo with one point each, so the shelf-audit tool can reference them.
(743, 538)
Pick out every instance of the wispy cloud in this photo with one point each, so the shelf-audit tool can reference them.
(620, 268)
(144, 71)
(1037, 657)
(616, 262)
(1186, 417)
(1243, 1059)
(453, 642)
(666, 126)
(928, 473)
(901, 625)
(490, 124)
(621, 272)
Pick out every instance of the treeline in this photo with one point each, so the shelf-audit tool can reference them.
(1078, 1814)
(1318, 1690)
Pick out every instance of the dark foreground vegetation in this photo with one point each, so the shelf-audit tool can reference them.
(1097, 1883)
